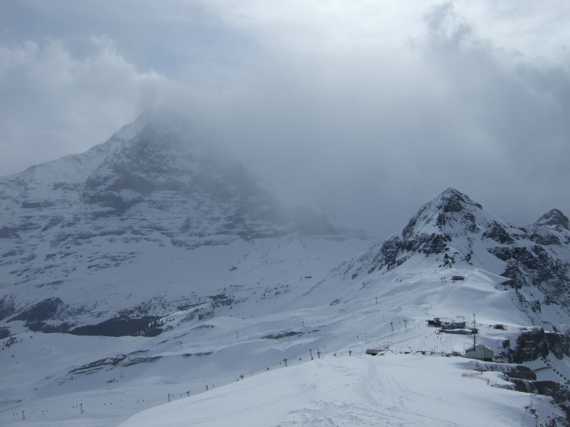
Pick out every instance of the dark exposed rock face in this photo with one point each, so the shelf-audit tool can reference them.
(52, 315)
(4, 333)
(546, 240)
(521, 372)
(281, 335)
(551, 229)
(108, 363)
(554, 218)
(516, 277)
(44, 310)
(47, 316)
(538, 343)
(37, 317)
(455, 201)
(522, 255)
(546, 388)
(125, 361)
(97, 365)
(148, 326)
(393, 252)
(48, 328)
(288, 334)
(535, 266)
(498, 233)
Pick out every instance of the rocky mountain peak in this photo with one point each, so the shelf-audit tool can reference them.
(453, 231)
(451, 228)
(451, 212)
(162, 159)
(452, 200)
(554, 218)
(445, 228)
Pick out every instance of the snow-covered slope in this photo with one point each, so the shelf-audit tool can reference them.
(408, 390)
(153, 268)
(449, 262)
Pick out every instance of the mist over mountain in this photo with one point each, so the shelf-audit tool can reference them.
(292, 213)
(358, 109)
(154, 184)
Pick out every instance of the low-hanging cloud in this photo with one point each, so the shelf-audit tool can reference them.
(363, 109)
(368, 133)
(55, 103)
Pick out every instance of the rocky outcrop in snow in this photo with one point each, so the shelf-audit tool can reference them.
(454, 231)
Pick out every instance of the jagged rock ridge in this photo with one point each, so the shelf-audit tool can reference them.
(453, 230)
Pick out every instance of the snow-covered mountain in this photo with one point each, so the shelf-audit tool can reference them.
(455, 232)
(78, 235)
(153, 268)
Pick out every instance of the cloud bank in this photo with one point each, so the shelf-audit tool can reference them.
(364, 109)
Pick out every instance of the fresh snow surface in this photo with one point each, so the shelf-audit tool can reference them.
(390, 390)
(332, 316)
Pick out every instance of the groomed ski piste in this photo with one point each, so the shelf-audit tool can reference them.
(230, 370)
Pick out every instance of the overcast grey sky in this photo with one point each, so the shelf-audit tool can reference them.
(363, 108)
